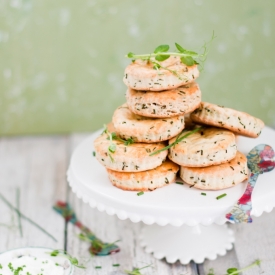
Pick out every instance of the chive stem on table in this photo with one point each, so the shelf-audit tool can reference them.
(26, 218)
(18, 214)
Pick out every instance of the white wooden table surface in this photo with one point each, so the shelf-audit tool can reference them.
(37, 167)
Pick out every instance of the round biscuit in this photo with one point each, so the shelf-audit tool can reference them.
(128, 158)
(236, 121)
(144, 129)
(141, 75)
(218, 176)
(210, 146)
(146, 180)
(175, 102)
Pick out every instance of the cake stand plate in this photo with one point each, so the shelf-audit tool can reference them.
(186, 224)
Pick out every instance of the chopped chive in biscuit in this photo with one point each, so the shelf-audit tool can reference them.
(140, 193)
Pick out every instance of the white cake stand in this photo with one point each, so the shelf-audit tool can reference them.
(182, 224)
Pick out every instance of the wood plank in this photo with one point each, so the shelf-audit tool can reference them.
(256, 241)
(253, 241)
(37, 166)
(222, 263)
(109, 229)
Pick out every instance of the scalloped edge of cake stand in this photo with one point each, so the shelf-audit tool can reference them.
(77, 188)
(149, 220)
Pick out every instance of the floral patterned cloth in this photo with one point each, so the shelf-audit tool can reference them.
(260, 160)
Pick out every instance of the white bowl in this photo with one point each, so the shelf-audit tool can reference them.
(38, 252)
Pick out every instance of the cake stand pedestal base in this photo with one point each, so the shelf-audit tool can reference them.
(186, 243)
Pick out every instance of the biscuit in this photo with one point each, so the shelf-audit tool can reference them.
(217, 177)
(236, 121)
(128, 158)
(146, 180)
(144, 129)
(141, 75)
(210, 146)
(175, 102)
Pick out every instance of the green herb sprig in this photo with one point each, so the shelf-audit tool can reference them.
(112, 146)
(74, 261)
(161, 53)
(235, 271)
(126, 142)
(136, 271)
(178, 140)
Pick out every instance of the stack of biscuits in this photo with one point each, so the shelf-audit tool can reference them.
(165, 128)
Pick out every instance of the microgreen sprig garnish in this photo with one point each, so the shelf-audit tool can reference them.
(161, 53)
(136, 271)
(179, 138)
(114, 136)
(235, 271)
(74, 261)
(126, 142)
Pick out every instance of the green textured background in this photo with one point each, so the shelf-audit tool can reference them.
(62, 62)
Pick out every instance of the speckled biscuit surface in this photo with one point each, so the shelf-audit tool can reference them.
(144, 129)
(128, 158)
(218, 176)
(140, 75)
(210, 146)
(147, 180)
(236, 121)
(179, 101)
